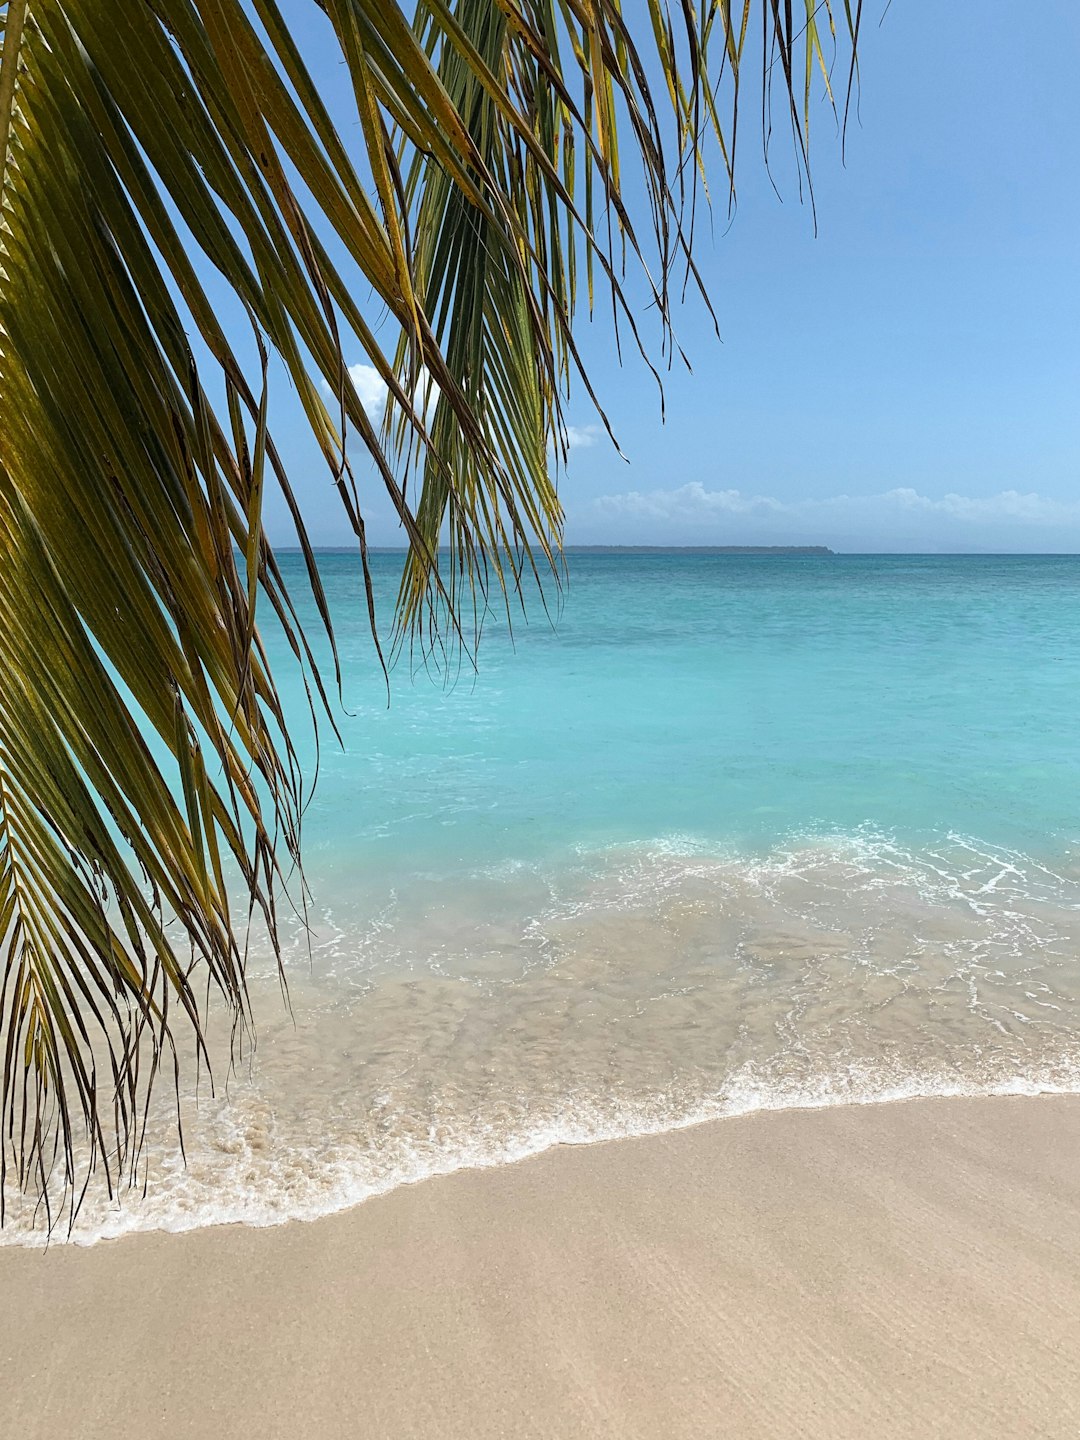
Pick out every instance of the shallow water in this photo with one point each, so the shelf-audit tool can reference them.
(738, 833)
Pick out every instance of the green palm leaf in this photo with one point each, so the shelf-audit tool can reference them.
(146, 770)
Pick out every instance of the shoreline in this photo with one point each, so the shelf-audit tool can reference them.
(908, 1267)
(533, 1148)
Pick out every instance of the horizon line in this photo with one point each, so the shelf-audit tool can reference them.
(345, 549)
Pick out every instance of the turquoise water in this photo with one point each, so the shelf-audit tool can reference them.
(735, 699)
(733, 833)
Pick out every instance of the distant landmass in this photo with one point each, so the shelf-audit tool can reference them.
(700, 550)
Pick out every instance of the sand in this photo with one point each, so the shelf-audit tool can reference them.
(893, 1270)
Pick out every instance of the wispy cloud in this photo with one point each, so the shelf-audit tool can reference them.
(905, 517)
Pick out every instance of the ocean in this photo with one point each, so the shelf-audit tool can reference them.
(719, 833)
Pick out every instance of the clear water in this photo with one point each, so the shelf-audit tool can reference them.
(735, 833)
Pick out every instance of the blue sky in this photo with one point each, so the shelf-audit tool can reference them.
(908, 378)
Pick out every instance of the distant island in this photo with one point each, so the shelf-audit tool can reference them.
(700, 550)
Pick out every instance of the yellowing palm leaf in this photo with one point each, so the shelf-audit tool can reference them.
(142, 143)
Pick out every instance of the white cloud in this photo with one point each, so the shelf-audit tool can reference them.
(902, 518)
(688, 502)
(580, 437)
(370, 387)
(373, 392)
(1028, 508)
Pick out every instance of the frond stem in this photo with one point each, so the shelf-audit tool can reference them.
(9, 67)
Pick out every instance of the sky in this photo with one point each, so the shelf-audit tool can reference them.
(905, 379)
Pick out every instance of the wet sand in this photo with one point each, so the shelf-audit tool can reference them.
(893, 1270)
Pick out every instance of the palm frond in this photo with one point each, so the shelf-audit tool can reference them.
(148, 786)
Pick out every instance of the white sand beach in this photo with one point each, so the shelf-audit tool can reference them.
(892, 1270)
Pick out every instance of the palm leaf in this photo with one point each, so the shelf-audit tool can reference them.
(148, 786)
